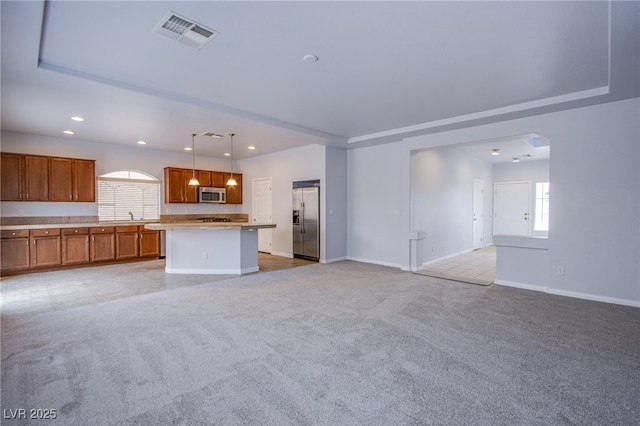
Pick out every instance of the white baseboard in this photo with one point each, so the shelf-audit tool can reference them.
(211, 271)
(335, 259)
(573, 294)
(449, 256)
(595, 297)
(375, 262)
(521, 285)
(277, 253)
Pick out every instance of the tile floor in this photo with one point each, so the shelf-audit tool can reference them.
(55, 290)
(476, 267)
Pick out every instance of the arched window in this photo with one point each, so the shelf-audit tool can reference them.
(128, 195)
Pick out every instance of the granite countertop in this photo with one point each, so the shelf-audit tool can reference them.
(198, 225)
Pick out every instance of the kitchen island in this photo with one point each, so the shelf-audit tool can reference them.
(211, 247)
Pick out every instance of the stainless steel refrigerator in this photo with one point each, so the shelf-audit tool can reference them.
(306, 223)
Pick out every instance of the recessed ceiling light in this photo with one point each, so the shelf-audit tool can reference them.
(251, 147)
(187, 148)
(68, 132)
(141, 143)
(77, 118)
(226, 154)
(515, 160)
(495, 152)
(310, 58)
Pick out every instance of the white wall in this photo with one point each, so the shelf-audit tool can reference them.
(109, 157)
(335, 208)
(531, 171)
(285, 167)
(594, 172)
(375, 204)
(442, 200)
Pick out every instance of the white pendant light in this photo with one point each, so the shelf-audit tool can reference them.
(231, 181)
(193, 181)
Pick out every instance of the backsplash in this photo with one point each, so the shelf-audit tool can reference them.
(54, 220)
(46, 220)
(235, 217)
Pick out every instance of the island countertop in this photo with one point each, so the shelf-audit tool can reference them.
(207, 226)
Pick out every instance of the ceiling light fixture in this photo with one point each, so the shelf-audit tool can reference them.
(231, 181)
(226, 154)
(68, 132)
(187, 148)
(495, 152)
(77, 118)
(515, 160)
(251, 147)
(141, 143)
(193, 181)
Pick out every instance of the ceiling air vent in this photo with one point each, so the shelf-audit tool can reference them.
(212, 135)
(185, 31)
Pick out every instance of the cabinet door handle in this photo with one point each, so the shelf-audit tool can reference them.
(93, 238)
(46, 232)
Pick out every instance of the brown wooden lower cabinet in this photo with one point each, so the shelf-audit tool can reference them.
(149, 243)
(75, 245)
(45, 247)
(126, 242)
(102, 244)
(52, 247)
(14, 250)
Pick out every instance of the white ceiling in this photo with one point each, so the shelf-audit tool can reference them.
(386, 70)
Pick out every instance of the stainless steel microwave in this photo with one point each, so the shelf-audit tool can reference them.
(209, 194)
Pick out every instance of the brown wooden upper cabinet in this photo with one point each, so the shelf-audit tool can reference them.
(84, 180)
(36, 178)
(60, 179)
(178, 190)
(174, 190)
(41, 178)
(12, 166)
(234, 193)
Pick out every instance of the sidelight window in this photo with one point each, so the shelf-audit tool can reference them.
(127, 195)
(541, 222)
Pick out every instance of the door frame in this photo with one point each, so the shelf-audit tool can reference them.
(480, 219)
(265, 236)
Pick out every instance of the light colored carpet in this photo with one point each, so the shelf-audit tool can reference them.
(345, 343)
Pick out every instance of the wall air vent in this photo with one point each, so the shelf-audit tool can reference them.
(212, 135)
(185, 31)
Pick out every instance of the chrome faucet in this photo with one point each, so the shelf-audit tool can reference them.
(131, 214)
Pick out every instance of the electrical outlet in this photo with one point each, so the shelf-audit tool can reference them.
(205, 255)
(560, 270)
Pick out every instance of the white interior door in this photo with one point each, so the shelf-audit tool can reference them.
(261, 210)
(511, 208)
(478, 219)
